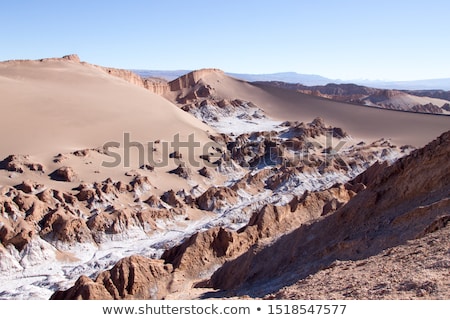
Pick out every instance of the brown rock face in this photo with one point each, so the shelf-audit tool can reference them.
(203, 250)
(61, 225)
(273, 220)
(86, 193)
(205, 172)
(216, 197)
(19, 236)
(191, 79)
(423, 263)
(19, 215)
(66, 174)
(427, 108)
(171, 198)
(154, 202)
(133, 277)
(206, 250)
(19, 163)
(404, 201)
(157, 86)
(120, 220)
(27, 186)
(72, 57)
(182, 171)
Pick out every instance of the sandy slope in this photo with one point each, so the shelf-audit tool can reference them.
(361, 122)
(60, 105)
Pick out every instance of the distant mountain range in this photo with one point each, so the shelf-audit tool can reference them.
(289, 77)
(312, 80)
(168, 75)
(430, 84)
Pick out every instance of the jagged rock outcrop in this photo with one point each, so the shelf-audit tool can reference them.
(254, 183)
(314, 129)
(202, 251)
(72, 57)
(238, 253)
(404, 201)
(86, 193)
(261, 149)
(206, 250)
(120, 221)
(182, 171)
(133, 277)
(200, 91)
(170, 197)
(191, 79)
(154, 202)
(88, 214)
(157, 86)
(19, 163)
(28, 186)
(427, 108)
(272, 220)
(61, 225)
(66, 174)
(140, 183)
(216, 198)
(205, 172)
(18, 234)
(20, 213)
(195, 92)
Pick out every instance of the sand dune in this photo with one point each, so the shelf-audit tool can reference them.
(364, 123)
(361, 122)
(60, 105)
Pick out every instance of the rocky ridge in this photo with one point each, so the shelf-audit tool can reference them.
(92, 211)
(380, 209)
(391, 209)
(382, 276)
(156, 85)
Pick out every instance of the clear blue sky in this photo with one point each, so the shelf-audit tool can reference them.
(346, 39)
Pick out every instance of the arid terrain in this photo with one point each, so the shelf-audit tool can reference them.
(114, 186)
(422, 101)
